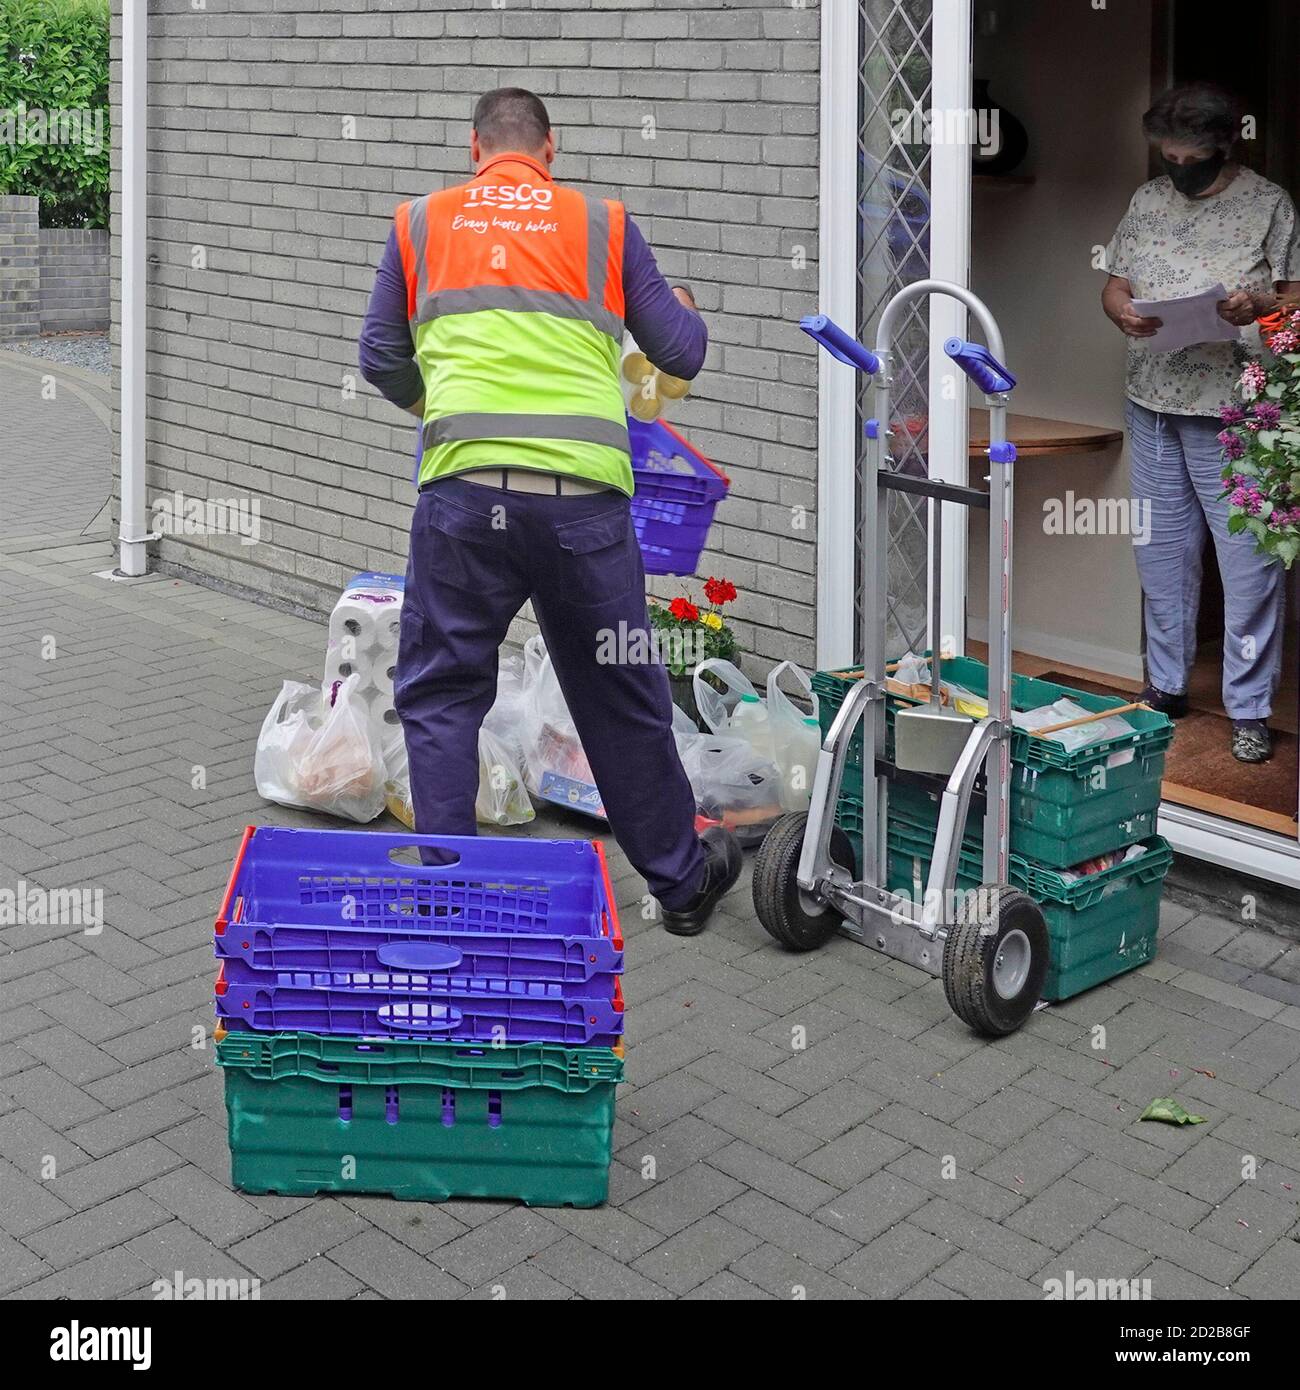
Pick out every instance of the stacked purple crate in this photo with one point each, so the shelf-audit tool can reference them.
(503, 941)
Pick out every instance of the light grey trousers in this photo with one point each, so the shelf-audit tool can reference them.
(1176, 465)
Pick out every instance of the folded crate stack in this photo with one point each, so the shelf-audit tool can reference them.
(419, 1016)
(1070, 808)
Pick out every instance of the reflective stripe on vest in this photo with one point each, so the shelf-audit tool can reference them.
(589, 429)
(521, 301)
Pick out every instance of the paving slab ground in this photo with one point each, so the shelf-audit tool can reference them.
(816, 1126)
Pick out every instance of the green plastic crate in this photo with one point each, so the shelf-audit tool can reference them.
(1100, 925)
(425, 1121)
(1065, 807)
(1036, 832)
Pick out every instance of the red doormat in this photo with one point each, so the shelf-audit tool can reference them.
(1200, 758)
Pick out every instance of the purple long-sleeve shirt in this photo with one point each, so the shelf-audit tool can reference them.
(672, 336)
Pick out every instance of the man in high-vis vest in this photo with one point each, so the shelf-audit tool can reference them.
(497, 320)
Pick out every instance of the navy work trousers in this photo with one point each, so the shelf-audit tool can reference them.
(477, 555)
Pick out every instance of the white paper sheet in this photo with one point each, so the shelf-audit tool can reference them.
(1192, 319)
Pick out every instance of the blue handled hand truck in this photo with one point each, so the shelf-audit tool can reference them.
(990, 946)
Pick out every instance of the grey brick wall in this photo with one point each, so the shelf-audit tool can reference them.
(74, 279)
(20, 267)
(284, 135)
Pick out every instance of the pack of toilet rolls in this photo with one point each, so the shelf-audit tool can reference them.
(365, 628)
(339, 748)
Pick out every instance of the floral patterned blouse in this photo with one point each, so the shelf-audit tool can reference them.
(1168, 245)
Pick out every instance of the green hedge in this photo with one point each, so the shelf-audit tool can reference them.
(53, 70)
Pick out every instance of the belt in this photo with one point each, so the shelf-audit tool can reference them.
(530, 480)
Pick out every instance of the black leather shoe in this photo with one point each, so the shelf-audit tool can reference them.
(1251, 741)
(1175, 706)
(722, 865)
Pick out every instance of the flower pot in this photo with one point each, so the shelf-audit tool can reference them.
(683, 690)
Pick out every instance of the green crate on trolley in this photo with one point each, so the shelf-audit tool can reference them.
(1101, 925)
(1066, 806)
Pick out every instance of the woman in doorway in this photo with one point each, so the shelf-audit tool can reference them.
(1206, 220)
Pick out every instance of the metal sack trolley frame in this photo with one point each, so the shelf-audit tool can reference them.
(990, 947)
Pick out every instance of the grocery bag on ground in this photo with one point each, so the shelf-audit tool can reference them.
(717, 697)
(732, 783)
(397, 787)
(289, 726)
(321, 757)
(502, 798)
(505, 718)
(555, 767)
(794, 735)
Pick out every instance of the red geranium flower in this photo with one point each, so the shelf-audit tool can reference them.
(684, 609)
(719, 591)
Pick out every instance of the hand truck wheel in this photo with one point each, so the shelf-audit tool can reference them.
(799, 920)
(995, 959)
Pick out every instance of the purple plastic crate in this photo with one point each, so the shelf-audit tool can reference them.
(322, 928)
(278, 951)
(391, 1006)
(677, 490)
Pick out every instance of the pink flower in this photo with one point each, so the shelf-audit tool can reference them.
(1232, 414)
(1253, 380)
(1233, 447)
(1266, 413)
(1288, 340)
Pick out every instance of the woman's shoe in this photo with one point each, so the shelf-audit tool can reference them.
(1175, 706)
(1251, 741)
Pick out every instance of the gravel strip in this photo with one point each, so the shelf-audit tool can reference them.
(87, 350)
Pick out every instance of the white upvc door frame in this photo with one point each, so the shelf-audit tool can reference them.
(950, 195)
(1231, 844)
(837, 441)
(950, 253)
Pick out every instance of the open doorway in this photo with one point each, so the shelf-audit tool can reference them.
(1187, 45)
(1035, 239)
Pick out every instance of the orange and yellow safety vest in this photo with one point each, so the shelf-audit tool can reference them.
(515, 298)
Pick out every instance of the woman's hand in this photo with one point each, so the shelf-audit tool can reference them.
(1239, 308)
(1134, 325)
(1117, 301)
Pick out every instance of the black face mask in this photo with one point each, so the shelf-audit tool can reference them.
(1193, 179)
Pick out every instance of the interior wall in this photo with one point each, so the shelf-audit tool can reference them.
(1078, 78)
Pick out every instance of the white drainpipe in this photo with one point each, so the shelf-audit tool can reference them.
(133, 557)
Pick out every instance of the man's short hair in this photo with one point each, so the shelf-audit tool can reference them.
(1195, 113)
(511, 119)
